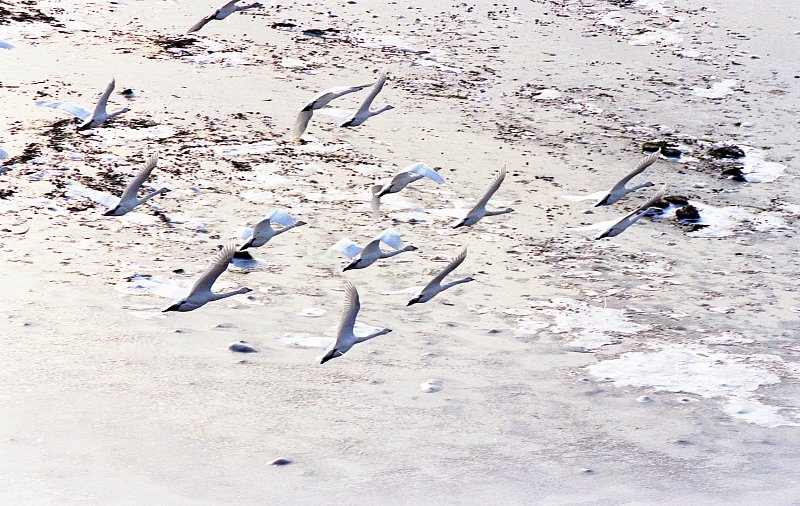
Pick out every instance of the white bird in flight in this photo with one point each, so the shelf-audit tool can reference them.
(261, 233)
(90, 120)
(619, 190)
(201, 293)
(222, 13)
(363, 113)
(128, 201)
(632, 217)
(318, 102)
(413, 172)
(345, 335)
(371, 253)
(435, 286)
(479, 211)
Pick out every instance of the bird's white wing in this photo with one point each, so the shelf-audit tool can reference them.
(218, 266)
(6, 45)
(458, 260)
(655, 198)
(640, 167)
(375, 201)
(347, 248)
(104, 199)
(498, 180)
(203, 22)
(352, 305)
(301, 123)
(71, 108)
(326, 97)
(391, 239)
(133, 187)
(343, 114)
(100, 108)
(425, 170)
(282, 218)
(376, 88)
(3, 155)
(633, 216)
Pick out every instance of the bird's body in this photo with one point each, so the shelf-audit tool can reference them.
(435, 286)
(362, 258)
(318, 102)
(479, 211)
(345, 335)
(262, 232)
(201, 293)
(128, 201)
(222, 13)
(90, 119)
(413, 172)
(632, 217)
(619, 190)
(364, 113)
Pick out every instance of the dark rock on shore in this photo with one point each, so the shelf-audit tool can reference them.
(727, 152)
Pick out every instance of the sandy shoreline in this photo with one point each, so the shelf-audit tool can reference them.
(657, 367)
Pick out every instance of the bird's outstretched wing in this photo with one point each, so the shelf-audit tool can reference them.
(218, 266)
(352, 305)
(75, 110)
(437, 280)
(100, 108)
(376, 88)
(498, 180)
(640, 167)
(133, 187)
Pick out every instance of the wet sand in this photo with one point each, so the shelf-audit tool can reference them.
(659, 366)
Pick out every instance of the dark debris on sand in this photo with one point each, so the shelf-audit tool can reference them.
(26, 12)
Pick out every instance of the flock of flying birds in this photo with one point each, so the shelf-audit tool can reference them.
(360, 257)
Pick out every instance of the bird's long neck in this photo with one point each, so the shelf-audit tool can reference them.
(117, 113)
(501, 211)
(456, 282)
(218, 296)
(381, 332)
(151, 195)
(378, 111)
(396, 252)
(639, 186)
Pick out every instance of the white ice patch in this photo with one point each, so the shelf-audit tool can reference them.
(657, 35)
(320, 148)
(547, 94)
(717, 90)
(305, 341)
(122, 136)
(597, 324)
(752, 411)
(144, 284)
(694, 369)
(256, 148)
(698, 370)
(758, 170)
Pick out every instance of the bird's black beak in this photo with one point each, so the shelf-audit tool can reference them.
(415, 300)
(459, 225)
(348, 267)
(331, 354)
(111, 212)
(173, 307)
